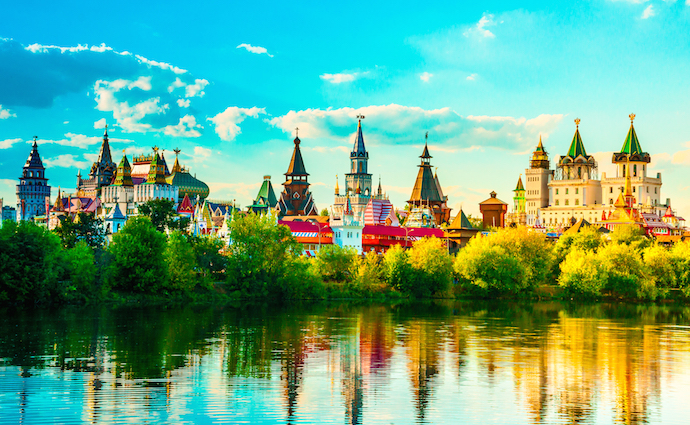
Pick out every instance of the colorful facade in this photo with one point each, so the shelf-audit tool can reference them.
(427, 192)
(33, 191)
(296, 199)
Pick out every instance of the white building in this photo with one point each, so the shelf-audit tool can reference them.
(347, 227)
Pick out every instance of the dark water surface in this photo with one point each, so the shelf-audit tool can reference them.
(466, 362)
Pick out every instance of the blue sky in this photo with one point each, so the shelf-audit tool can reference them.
(227, 83)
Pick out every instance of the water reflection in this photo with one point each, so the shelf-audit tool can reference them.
(474, 362)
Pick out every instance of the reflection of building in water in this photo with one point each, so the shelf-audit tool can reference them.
(531, 378)
(422, 362)
(351, 372)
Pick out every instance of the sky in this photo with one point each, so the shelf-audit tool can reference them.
(228, 82)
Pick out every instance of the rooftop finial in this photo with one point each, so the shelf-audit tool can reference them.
(360, 117)
(177, 151)
(632, 118)
(35, 139)
(577, 124)
(296, 131)
(426, 137)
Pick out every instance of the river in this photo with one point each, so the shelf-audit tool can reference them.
(469, 362)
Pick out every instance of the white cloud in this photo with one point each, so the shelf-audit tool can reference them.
(161, 65)
(100, 123)
(342, 77)
(65, 161)
(648, 12)
(196, 89)
(175, 84)
(479, 29)
(397, 124)
(226, 122)
(6, 113)
(128, 117)
(233, 190)
(41, 48)
(79, 141)
(187, 127)
(183, 103)
(200, 151)
(7, 143)
(255, 49)
(472, 77)
(425, 76)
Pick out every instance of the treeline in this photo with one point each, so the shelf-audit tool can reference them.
(263, 261)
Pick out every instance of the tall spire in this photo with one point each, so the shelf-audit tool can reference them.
(379, 192)
(296, 167)
(104, 156)
(176, 167)
(337, 188)
(358, 150)
(577, 148)
(631, 145)
(519, 186)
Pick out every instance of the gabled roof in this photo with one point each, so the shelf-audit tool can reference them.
(631, 146)
(185, 206)
(296, 167)
(358, 150)
(577, 148)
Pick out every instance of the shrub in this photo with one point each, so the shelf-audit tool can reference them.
(631, 236)
(398, 271)
(680, 257)
(627, 274)
(488, 269)
(659, 262)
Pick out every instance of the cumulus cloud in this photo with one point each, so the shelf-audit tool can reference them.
(472, 77)
(342, 77)
(227, 121)
(648, 12)
(79, 141)
(255, 49)
(99, 124)
(480, 28)
(425, 76)
(397, 124)
(57, 70)
(183, 103)
(7, 143)
(6, 113)
(187, 127)
(65, 161)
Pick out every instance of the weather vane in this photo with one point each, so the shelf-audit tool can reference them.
(426, 136)
(632, 118)
(177, 151)
(360, 117)
(577, 122)
(296, 131)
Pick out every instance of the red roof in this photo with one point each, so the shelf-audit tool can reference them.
(305, 226)
(417, 232)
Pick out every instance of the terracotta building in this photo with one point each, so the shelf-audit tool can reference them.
(493, 211)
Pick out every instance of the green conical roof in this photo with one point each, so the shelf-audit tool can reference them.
(267, 193)
(577, 148)
(631, 146)
(124, 173)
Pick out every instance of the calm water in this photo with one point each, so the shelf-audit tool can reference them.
(470, 362)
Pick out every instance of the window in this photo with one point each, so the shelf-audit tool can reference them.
(577, 202)
(647, 189)
(610, 201)
(655, 190)
(611, 189)
(566, 191)
(635, 170)
(567, 202)
(556, 201)
(556, 191)
(633, 189)
(577, 190)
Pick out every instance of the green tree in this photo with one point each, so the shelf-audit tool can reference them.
(181, 261)
(338, 264)
(630, 235)
(627, 274)
(260, 254)
(84, 227)
(210, 259)
(137, 257)
(77, 273)
(434, 266)
(583, 274)
(28, 262)
(398, 270)
(324, 212)
(659, 261)
(162, 214)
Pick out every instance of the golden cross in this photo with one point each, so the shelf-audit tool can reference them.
(632, 118)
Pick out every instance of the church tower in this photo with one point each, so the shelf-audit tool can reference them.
(358, 178)
(426, 193)
(33, 192)
(537, 178)
(296, 199)
(101, 173)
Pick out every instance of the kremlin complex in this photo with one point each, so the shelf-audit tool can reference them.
(550, 200)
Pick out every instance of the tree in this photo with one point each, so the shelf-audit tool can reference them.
(161, 212)
(434, 267)
(336, 264)
(181, 261)
(260, 254)
(29, 256)
(324, 212)
(137, 250)
(630, 235)
(210, 260)
(84, 227)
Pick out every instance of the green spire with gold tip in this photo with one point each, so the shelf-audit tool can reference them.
(577, 148)
(124, 172)
(631, 146)
(519, 184)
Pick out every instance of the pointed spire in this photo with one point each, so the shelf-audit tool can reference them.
(176, 167)
(358, 150)
(577, 148)
(296, 167)
(58, 201)
(124, 172)
(519, 186)
(540, 146)
(34, 160)
(425, 154)
(337, 188)
(104, 156)
(631, 145)
(379, 191)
